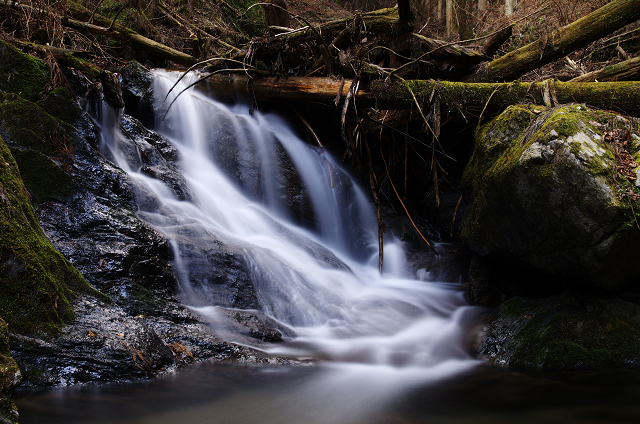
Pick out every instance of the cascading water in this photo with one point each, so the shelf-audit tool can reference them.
(304, 231)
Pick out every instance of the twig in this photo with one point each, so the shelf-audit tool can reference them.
(191, 68)
(196, 82)
(113, 22)
(485, 106)
(455, 212)
(94, 11)
(402, 203)
(313, 133)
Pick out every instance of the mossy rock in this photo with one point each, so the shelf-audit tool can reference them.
(37, 281)
(9, 373)
(44, 178)
(60, 104)
(26, 125)
(21, 74)
(563, 331)
(543, 187)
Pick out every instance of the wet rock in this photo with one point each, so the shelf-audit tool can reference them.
(137, 92)
(153, 155)
(102, 344)
(563, 331)
(554, 189)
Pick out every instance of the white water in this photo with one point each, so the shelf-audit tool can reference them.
(322, 283)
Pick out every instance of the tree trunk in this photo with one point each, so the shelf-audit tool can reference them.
(465, 19)
(276, 16)
(404, 10)
(449, 16)
(560, 42)
(510, 7)
(473, 99)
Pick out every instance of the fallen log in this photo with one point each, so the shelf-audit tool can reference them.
(136, 40)
(474, 99)
(624, 71)
(559, 43)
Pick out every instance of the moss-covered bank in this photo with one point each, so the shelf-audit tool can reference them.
(37, 281)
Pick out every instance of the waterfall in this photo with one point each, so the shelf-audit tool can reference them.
(304, 231)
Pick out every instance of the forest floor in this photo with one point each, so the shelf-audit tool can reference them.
(234, 23)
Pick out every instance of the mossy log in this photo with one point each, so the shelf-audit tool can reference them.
(560, 42)
(137, 40)
(473, 99)
(627, 70)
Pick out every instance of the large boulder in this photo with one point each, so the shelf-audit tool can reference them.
(556, 190)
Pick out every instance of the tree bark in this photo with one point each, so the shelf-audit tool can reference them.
(628, 70)
(275, 15)
(474, 99)
(465, 19)
(560, 42)
(491, 46)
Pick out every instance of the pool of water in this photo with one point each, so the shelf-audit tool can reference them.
(350, 394)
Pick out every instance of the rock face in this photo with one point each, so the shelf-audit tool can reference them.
(562, 331)
(555, 189)
(38, 283)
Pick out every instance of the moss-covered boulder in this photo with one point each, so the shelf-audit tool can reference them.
(562, 331)
(21, 74)
(37, 282)
(9, 376)
(555, 188)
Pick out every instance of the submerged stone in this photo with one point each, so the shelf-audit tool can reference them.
(545, 187)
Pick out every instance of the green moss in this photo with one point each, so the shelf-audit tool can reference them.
(25, 124)
(566, 331)
(21, 74)
(38, 283)
(61, 105)
(44, 179)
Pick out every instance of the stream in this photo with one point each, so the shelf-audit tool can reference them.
(236, 394)
(392, 348)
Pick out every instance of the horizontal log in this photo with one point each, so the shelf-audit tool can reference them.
(471, 98)
(624, 71)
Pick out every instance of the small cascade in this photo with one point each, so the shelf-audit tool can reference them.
(255, 197)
